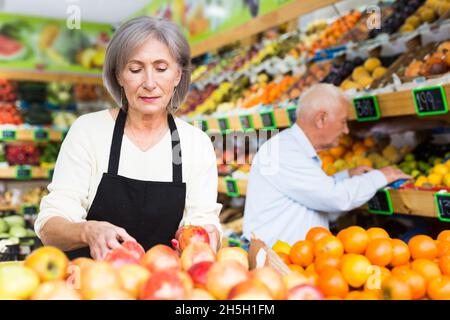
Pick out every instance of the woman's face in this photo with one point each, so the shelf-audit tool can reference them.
(149, 77)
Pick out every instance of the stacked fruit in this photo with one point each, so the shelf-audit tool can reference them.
(430, 11)
(14, 226)
(22, 154)
(9, 114)
(360, 264)
(86, 92)
(341, 70)
(351, 153)
(436, 176)
(60, 94)
(314, 74)
(435, 63)
(8, 91)
(363, 76)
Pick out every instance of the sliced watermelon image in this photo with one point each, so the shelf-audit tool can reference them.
(11, 49)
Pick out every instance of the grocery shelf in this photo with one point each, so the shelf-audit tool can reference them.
(32, 134)
(405, 201)
(25, 173)
(393, 104)
(48, 76)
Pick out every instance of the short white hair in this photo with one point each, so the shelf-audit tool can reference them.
(321, 95)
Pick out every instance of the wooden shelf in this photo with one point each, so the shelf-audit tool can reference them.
(49, 76)
(8, 208)
(35, 173)
(29, 134)
(286, 13)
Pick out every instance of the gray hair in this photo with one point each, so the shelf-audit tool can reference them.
(323, 95)
(129, 36)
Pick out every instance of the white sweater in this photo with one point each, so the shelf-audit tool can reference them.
(84, 157)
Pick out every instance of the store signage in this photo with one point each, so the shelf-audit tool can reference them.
(23, 173)
(430, 100)
(366, 108)
(292, 114)
(41, 135)
(204, 125)
(268, 120)
(29, 210)
(443, 206)
(381, 203)
(232, 187)
(247, 122)
(9, 135)
(224, 125)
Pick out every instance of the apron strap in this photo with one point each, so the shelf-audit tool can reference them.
(116, 145)
(177, 166)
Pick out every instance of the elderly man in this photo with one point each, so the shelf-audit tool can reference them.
(288, 192)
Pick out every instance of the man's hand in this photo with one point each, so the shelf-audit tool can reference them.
(359, 170)
(393, 174)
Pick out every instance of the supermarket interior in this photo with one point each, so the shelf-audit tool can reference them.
(367, 217)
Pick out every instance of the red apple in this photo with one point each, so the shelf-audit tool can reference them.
(99, 277)
(195, 253)
(272, 279)
(233, 253)
(55, 290)
(201, 294)
(159, 258)
(250, 290)
(119, 257)
(133, 277)
(304, 292)
(135, 248)
(223, 276)
(165, 285)
(48, 262)
(294, 279)
(191, 234)
(199, 273)
(114, 294)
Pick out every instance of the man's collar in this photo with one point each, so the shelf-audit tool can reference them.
(303, 140)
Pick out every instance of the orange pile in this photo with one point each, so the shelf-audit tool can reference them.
(367, 264)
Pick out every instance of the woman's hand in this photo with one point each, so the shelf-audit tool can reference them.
(102, 237)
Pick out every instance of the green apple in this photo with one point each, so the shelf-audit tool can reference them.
(415, 173)
(409, 157)
(15, 221)
(437, 161)
(31, 233)
(17, 282)
(3, 226)
(18, 232)
(4, 235)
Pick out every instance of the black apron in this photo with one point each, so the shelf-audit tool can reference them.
(150, 211)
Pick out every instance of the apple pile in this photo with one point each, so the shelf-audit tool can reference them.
(194, 272)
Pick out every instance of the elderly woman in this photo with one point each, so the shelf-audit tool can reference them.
(134, 173)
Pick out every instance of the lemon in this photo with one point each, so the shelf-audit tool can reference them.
(435, 179)
(446, 180)
(441, 169)
(281, 246)
(420, 181)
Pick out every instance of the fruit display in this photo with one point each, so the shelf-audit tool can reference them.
(315, 73)
(9, 114)
(8, 91)
(63, 119)
(22, 154)
(429, 12)
(60, 93)
(49, 154)
(86, 92)
(2, 153)
(435, 63)
(341, 70)
(14, 226)
(28, 197)
(359, 264)
(364, 75)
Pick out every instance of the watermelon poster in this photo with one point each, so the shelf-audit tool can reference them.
(48, 44)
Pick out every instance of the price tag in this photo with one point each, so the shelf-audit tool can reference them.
(268, 120)
(292, 114)
(224, 125)
(366, 108)
(9, 135)
(232, 187)
(247, 122)
(430, 101)
(204, 125)
(443, 206)
(23, 173)
(381, 203)
(41, 135)
(29, 210)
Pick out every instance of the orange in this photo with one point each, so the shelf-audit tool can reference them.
(329, 246)
(332, 283)
(400, 253)
(444, 265)
(400, 269)
(281, 246)
(323, 262)
(353, 295)
(302, 253)
(369, 295)
(376, 233)
(444, 235)
(427, 268)
(376, 278)
(394, 288)
(417, 283)
(422, 247)
(439, 288)
(310, 268)
(443, 248)
(354, 239)
(295, 267)
(311, 276)
(317, 233)
(337, 152)
(379, 252)
(355, 269)
(284, 257)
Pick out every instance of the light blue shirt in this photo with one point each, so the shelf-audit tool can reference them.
(288, 193)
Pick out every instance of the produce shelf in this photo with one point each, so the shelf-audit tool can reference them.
(48, 76)
(25, 173)
(394, 104)
(32, 134)
(409, 202)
